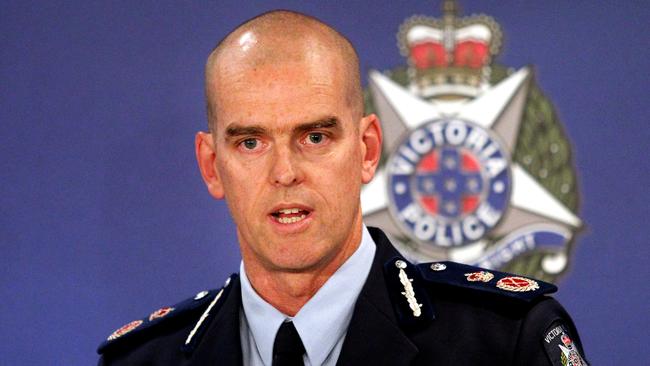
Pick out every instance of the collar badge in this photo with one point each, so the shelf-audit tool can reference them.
(408, 289)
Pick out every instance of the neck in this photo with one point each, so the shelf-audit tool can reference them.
(289, 290)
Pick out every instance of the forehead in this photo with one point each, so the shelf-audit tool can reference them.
(280, 92)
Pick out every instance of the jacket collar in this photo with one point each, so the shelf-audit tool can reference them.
(374, 325)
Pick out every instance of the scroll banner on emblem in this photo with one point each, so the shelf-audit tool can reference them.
(547, 238)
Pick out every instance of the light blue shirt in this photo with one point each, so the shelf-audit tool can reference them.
(321, 323)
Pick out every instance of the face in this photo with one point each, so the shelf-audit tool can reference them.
(289, 155)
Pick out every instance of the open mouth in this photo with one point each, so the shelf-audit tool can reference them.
(290, 215)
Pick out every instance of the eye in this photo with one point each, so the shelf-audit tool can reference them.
(249, 144)
(315, 138)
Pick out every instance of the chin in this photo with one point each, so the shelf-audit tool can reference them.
(295, 258)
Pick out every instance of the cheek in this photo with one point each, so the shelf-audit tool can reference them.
(239, 174)
(240, 185)
(342, 180)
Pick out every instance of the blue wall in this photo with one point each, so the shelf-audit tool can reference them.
(104, 217)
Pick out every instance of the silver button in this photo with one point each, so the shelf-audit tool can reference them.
(201, 295)
(438, 267)
(400, 264)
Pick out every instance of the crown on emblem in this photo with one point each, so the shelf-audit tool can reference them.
(450, 56)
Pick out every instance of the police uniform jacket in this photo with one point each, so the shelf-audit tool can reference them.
(442, 318)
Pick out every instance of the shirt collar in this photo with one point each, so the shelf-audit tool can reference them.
(319, 330)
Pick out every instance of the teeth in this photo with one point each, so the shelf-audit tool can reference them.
(287, 211)
(290, 220)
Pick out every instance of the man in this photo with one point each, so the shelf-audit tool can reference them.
(289, 149)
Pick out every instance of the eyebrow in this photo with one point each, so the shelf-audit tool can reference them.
(324, 123)
(235, 130)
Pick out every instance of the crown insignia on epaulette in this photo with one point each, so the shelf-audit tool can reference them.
(480, 276)
(449, 56)
(162, 312)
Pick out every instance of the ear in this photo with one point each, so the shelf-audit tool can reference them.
(206, 157)
(371, 138)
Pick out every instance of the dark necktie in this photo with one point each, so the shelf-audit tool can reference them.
(288, 348)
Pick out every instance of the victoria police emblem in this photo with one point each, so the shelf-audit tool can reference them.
(448, 182)
(476, 168)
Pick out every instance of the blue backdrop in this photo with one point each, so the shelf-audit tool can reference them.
(104, 217)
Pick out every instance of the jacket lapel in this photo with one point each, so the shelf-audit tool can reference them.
(221, 344)
(374, 336)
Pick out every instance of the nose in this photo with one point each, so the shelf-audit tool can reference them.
(285, 169)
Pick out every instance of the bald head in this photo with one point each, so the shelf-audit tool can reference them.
(283, 38)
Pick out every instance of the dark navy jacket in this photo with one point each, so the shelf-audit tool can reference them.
(459, 323)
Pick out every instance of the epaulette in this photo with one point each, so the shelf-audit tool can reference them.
(139, 330)
(480, 279)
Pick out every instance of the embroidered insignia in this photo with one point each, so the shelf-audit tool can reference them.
(438, 267)
(481, 276)
(125, 329)
(553, 333)
(201, 295)
(517, 284)
(160, 313)
(568, 354)
(408, 289)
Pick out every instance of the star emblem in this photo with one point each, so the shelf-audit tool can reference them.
(497, 108)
